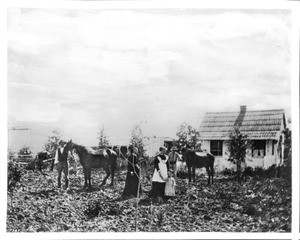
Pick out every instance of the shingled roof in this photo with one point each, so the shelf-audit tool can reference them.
(262, 125)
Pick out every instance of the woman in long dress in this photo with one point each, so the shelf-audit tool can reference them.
(133, 174)
(160, 174)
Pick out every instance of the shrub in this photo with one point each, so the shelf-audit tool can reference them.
(182, 170)
(31, 165)
(228, 172)
(14, 174)
(249, 171)
(258, 171)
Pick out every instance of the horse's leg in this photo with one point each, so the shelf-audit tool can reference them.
(52, 165)
(107, 170)
(189, 172)
(112, 166)
(112, 170)
(59, 168)
(194, 174)
(208, 173)
(89, 173)
(85, 177)
(212, 174)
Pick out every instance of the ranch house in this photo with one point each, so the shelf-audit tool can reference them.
(264, 128)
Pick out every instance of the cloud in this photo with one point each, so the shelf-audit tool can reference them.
(82, 68)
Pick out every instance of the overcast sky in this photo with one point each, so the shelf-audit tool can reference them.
(78, 70)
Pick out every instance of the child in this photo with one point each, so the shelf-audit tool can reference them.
(170, 185)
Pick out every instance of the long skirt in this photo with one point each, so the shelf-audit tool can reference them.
(131, 185)
(158, 189)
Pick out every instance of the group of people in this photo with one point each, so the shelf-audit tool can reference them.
(163, 179)
(164, 175)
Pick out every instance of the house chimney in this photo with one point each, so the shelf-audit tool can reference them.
(240, 118)
(243, 108)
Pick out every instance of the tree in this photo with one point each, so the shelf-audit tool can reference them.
(51, 146)
(238, 144)
(187, 135)
(53, 142)
(103, 139)
(287, 151)
(10, 154)
(287, 154)
(137, 139)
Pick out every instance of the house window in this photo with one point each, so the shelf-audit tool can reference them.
(258, 148)
(216, 147)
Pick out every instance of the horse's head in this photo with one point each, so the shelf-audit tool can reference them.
(70, 146)
(183, 152)
(186, 151)
(116, 149)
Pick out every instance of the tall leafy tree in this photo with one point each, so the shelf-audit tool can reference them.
(137, 139)
(287, 151)
(188, 135)
(238, 144)
(103, 139)
(52, 143)
(287, 154)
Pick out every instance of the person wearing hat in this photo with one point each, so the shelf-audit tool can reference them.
(61, 158)
(133, 174)
(160, 174)
(173, 158)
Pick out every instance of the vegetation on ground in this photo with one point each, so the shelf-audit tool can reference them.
(258, 204)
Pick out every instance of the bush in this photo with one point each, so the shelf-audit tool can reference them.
(272, 171)
(14, 174)
(182, 170)
(31, 165)
(249, 172)
(263, 173)
(258, 171)
(228, 172)
(285, 172)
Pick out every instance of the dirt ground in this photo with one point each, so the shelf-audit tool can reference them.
(256, 205)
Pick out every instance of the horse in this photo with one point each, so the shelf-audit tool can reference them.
(103, 158)
(195, 160)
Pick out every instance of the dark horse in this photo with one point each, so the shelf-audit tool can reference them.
(103, 158)
(194, 160)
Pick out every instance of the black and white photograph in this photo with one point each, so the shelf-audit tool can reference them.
(149, 119)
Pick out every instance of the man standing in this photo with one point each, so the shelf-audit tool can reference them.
(173, 158)
(61, 158)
